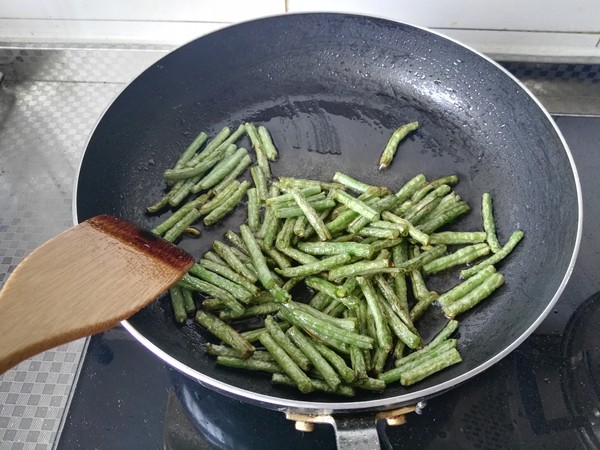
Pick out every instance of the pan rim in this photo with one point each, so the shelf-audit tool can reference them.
(281, 403)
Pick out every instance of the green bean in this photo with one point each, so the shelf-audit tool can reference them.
(215, 145)
(336, 361)
(415, 210)
(384, 338)
(284, 341)
(222, 169)
(228, 205)
(487, 215)
(444, 217)
(399, 256)
(260, 181)
(212, 256)
(269, 230)
(350, 183)
(381, 233)
(397, 305)
(287, 197)
(262, 309)
(236, 241)
(195, 284)
(267, 143)
(237, 171)
(295, 211)
(220, 198)
(457, 237)
(512, 242)
(320, 300)
(346, 323)
(379, 359)
(239, 292)
(401, 330)
(410, 187)
(188, 301)
(387, 156)
(197, 165)
(336, 248)
(233, 260)
(165, 225)
(421, 259)
(249, 364)
(164, 201)
(297, 255)
(322, 265)
(311, 215)
(318, 385)
(465, 287)
(224, 350)
(430, 367)
(422, 192)
(224, 332)
(475, 296)
(360, 268)
(227, 272)
(359, 365)
(318, 361)
(183, 192)
(416, 359)
(463, 255)
(301, 380)
(178, 304)
(398, 351)
(287, 183)
(175, 231)
(258, 259)
(379, 244)
(444, 334)
(285, 235)
(324, 329)
(356, 205)
(261, 156)
(370, 384)
(191, 150)
(253, 335)
(415, 233)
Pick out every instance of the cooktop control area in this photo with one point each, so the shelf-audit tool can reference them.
(109, 392)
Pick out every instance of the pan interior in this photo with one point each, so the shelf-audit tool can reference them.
(331, 89)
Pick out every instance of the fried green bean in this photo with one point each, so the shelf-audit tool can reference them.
(384, 338)
(320, 364)
(318, 385)
(444, 217)
(414, 232)
(261, 156)
(221, 170)
(380, 233)
(178, 304)
(351, 183)
(465, 287)
(387, 156)
(489, 225)
(267, 143)
(249, 364)
(475, 296)
(195, 284)
(336, 361)
(231, 258)
(356, 205)
(512, 242)
(457, 237)
(191, 150)
(286, 344)
(260, 181)
(421, 259)
(253, 335)
(238, 291)
(219, 198)
(224, 332)
(215, 145)
(463, 255)
(301, 380)
(430, 367)
(176, 230)
(346, 323)
(258, 259)
(295, 211)
(360, 268)
(230, 274)
(236, 172)
(324, 329)
(227, 206)
(168, 223)
(336, 248)
(399, 256)
(444, 334)
(311, 215)
(398, 306)
(297, 255)
(322, 265)
(410, 187)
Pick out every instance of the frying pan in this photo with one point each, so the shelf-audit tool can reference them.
(331, 88)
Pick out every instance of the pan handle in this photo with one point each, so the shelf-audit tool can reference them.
(356, 431)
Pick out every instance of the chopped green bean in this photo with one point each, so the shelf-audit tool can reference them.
(238, 291)
(387, 156)
(218, 199)
(267, 143)
(350, 183)
(318, 385)
(487, 215)
(224, 332)
(258, 259)
(260, 181)
(178, 304)
(195, 284)
(475, 296)
(336, 248)
(228, 255)
(297, 255)
(384, 338)
(444, 334)
(176, 230)
(512, 242)
(301, 380)
(360, 268)
(465, 287)
(430, 367)
(228, 205)
(316, 267)
(356, 205)
(336, 361)
(463, 255)
(444, 217)
(168, 223)
(237, 171)
(227, 272)
(410, 187)
(261, 156)
(222, 169)
(311, 215)
(286, 344)
(191, 150)
(215, 145)
(295, 211)
(249, 364)
(457, 237)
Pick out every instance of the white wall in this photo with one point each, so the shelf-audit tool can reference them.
(566, 30)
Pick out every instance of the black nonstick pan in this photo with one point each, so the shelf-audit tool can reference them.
(331, 88)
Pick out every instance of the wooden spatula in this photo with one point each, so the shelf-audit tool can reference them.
(85, 280)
